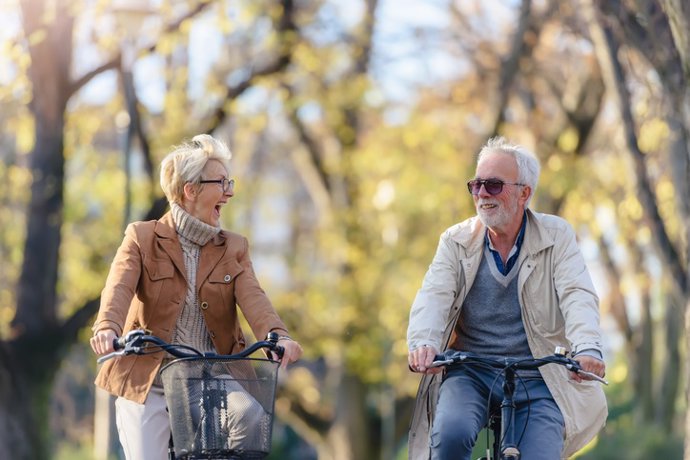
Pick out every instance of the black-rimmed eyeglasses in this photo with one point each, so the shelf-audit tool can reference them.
(492, 186)
(228, 185)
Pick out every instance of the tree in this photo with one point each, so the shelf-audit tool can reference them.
(645, 30)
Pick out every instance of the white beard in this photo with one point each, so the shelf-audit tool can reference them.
(497, 217)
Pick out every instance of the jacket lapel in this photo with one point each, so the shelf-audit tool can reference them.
(211, 255)
(536, 240)
(536, 237)
(167, 240)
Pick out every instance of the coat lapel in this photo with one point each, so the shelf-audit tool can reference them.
(211, 255)
(167, 240)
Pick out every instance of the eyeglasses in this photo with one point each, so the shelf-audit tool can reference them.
(492, 186)
(226, 184)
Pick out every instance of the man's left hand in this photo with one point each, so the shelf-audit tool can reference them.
(589, 364)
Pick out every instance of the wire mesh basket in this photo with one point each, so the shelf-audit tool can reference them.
(219, 407)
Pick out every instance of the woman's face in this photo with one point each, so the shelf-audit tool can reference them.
(204, 201)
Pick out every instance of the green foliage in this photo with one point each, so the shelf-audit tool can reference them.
(641, 442)
(67, 451)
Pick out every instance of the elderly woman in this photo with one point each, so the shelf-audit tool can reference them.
(181, 277)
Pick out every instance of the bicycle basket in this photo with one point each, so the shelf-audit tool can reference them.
(220, 408)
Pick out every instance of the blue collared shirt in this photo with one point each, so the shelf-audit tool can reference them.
(514, 253)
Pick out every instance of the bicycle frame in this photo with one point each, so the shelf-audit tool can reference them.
(505, 445)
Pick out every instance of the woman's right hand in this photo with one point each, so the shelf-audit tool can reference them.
(102, 342)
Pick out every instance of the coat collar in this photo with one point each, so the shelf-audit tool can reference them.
(469, 234)
(211, 253)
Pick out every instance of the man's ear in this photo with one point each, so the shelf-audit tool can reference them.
(526, 192)
(190, 191)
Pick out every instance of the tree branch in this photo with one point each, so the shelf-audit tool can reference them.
(114, 62)
(606, 48)
(510, 65)
(678, 13)
(288, 33)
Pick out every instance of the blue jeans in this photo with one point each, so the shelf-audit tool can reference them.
(461, 413)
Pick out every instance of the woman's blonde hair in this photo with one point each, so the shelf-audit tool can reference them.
(186, 162)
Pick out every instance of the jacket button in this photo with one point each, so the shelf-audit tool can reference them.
(204, 305)
(227, 278)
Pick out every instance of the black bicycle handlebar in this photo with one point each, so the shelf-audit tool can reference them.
(453, 357)
(136, 341)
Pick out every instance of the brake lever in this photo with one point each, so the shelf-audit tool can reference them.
(592, 376)
(110, 355)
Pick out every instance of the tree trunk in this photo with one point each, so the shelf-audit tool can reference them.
(673, 364)
(49, 73)
(349, 436)
(30, 361)
(27, 371)
(15, 439)
(644, 351)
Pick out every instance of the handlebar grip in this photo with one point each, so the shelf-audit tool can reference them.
(273, 338)
(119, 343)
(279, 350)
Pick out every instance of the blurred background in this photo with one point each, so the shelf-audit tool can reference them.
(354, 126)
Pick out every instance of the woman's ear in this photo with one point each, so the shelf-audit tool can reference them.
(190, 191)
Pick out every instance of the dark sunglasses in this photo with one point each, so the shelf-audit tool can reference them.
(492, 186)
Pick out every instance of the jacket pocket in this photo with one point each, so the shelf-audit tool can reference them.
(225, 273)
(159, 269)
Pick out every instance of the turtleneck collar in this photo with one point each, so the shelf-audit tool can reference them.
(192, 228)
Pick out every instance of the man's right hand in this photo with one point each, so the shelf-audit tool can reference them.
(421, 358)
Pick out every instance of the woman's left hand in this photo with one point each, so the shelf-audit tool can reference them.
(293, 352)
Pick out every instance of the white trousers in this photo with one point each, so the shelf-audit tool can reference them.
(144, 429)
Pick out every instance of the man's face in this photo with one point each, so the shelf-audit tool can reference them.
(505, 209)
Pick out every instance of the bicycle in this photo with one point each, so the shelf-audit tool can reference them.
(505, 446)
(220, 406)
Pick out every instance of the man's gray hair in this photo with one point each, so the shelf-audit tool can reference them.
(527, 161)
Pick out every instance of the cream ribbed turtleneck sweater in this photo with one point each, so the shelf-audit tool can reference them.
(193, 234)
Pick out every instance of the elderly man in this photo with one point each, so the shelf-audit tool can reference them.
(508, 282)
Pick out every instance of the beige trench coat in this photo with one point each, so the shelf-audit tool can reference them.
(146, 288)
(559, 308)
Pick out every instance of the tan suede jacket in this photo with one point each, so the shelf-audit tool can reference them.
(146, 289)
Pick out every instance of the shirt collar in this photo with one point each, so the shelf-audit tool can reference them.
(514, 252)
